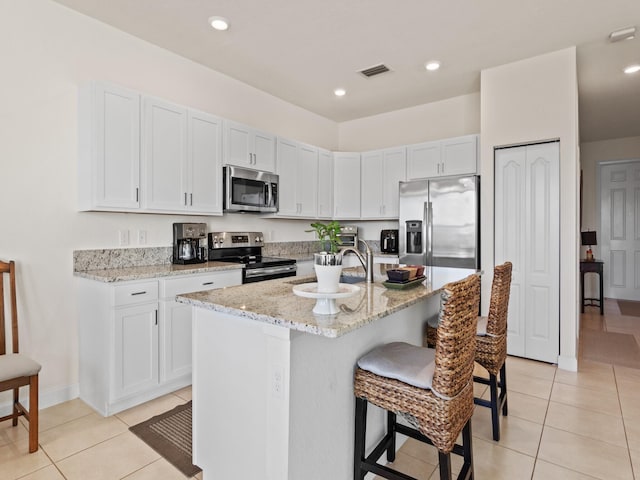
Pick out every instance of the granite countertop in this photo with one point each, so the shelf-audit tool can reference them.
(151, 271)
(275, 303)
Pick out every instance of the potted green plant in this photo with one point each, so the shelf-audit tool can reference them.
(327, 263)
(328, 236)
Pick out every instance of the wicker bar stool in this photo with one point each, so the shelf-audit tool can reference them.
(430, 389)
(491, 349)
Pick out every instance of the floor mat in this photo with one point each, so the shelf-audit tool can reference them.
(169, 434)
(612, 348)
(628, 307)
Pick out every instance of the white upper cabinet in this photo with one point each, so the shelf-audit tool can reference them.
(346, 185)
(460, 155)
(164, 167)
(381, 173)
(453, 156)
(204, 152)
(297, 168)
(325, 183)
(109, 148)
(423, 160)
(247, 147)
(182, 164)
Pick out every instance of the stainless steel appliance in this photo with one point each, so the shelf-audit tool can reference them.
(439, 222)
(348, 236)
(389, 241)
(188, 243)
(248, 190)
(246, 247)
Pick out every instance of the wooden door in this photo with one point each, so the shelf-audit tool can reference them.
(527, 233)
(620, 229)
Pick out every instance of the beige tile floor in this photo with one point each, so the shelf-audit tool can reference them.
(561, 425)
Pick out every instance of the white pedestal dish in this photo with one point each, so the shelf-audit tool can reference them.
(325, 302)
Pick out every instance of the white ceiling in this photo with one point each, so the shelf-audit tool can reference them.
(301, 50)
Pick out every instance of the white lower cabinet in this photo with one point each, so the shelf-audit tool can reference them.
(135, 339)
(135, 356)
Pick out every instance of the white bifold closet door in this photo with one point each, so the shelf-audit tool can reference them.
(527, 233)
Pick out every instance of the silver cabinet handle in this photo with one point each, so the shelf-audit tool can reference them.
(185, 198)
(191, 199)
(137, 194)
(207, 283)
(138, 293)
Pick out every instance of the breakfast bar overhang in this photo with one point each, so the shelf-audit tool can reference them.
(273, 383)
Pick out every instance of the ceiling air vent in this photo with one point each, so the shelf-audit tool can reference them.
(375, 70)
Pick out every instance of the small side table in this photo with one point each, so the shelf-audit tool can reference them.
(594, 266)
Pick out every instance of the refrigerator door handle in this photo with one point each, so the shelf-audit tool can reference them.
(427, 232)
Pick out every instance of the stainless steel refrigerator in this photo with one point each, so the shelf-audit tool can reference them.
(439, 222)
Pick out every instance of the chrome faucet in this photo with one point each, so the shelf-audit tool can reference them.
(366, 261)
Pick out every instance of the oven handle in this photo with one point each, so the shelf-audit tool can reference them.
(261, 272)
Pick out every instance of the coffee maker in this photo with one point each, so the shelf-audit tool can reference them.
(188, 243)
(389, 241)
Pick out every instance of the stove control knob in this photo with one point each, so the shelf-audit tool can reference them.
(221, 241)
(258, 239)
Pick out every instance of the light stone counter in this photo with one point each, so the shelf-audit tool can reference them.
(152, 271)
(274, 302)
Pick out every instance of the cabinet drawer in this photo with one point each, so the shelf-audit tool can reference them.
(195, 283)
(135, 293)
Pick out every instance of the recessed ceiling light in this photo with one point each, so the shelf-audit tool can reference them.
(219, 23)
(632, 69)
(432, 66)
(340, 92)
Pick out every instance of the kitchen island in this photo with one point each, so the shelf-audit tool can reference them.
(273, 383)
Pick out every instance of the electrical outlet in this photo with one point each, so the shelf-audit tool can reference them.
(278, 381)
(124, 237)
(142, 237)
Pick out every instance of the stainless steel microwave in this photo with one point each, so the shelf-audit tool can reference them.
(248, 190)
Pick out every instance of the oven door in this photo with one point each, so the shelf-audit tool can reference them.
(250, 190)
(252, 275)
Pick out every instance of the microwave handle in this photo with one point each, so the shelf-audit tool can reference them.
(268, 193)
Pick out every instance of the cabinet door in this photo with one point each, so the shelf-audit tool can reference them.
(371, 176)
(264, 151)
(109, 160)
(325, 184)
(175, 338)
(394, 171)
(459, 155)
(237, 140)
(307, 181)
(346, 182)
(135, 366)
(205, 163)
(165, 156)
(423, 160)
(288, 177)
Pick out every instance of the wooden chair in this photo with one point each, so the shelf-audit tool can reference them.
(430, 389)
(17, 370)
(491, 346)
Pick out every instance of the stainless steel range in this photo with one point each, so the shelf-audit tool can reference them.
(246, 247)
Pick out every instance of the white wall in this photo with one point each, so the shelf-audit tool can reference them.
(47, 50)
(523, 102)
(433, 121)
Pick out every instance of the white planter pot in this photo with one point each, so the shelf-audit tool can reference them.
(328, 267)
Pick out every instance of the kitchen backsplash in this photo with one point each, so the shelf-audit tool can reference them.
(84, 260)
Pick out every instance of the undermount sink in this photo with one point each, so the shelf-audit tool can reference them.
(351, 279)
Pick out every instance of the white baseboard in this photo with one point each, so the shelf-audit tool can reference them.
(47, 398)
(568, 363)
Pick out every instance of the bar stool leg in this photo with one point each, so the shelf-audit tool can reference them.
(444, 460)
(466, 444)
(391, 431)
(495, 406)
(503, 388)
(360, 435)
